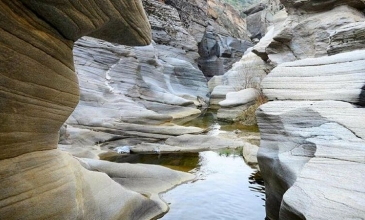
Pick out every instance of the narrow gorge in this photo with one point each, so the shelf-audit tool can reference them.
(182, 109)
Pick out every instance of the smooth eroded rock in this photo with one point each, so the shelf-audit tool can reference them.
(339, 77)
(294, 132)
(52, 184)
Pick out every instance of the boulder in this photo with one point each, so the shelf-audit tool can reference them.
(218, 53)
(260, 16)
(239, 98)
(233, 114)
(249, 153)
(219, 30)
(260, 49)
(256, 25)
(236, 103)
(219, 94)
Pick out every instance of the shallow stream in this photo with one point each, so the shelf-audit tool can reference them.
(225, 186)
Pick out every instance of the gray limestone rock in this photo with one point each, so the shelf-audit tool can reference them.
(254, 8)
(235, 103)
(296, 134)
(249, 153)
(338, 77)
(306, 35)
(148, 180)
(125, 84)
(218, 53)
(296, 6)
(239, 98)
(314, 136)
(347, 38)
(219, 94)
(203, 142)
(255, 25)
(246, 73)
(219, 30)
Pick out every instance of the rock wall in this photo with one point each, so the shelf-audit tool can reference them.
(312, 131)
(130, 95)
(247, 73)
(38, 91)
(308, 34)
(219, 30)
(260, 16)
(124, 87)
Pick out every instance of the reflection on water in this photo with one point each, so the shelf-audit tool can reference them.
(177, 161)
(225, 188)
(209, 120)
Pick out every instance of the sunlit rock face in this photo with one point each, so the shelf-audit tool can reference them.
(312, 131)
(39, 90)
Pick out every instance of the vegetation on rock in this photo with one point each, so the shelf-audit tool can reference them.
(248, 116)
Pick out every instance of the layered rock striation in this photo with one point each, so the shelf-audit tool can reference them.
(123, 87)
(312, 130)
(248, 72)
(130, 95)
(38, 91)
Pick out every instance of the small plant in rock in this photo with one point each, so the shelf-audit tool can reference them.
(247, 77)
(248, 116)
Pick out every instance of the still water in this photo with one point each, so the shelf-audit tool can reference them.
(225, 188)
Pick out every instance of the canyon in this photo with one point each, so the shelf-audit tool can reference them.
(90, 80)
